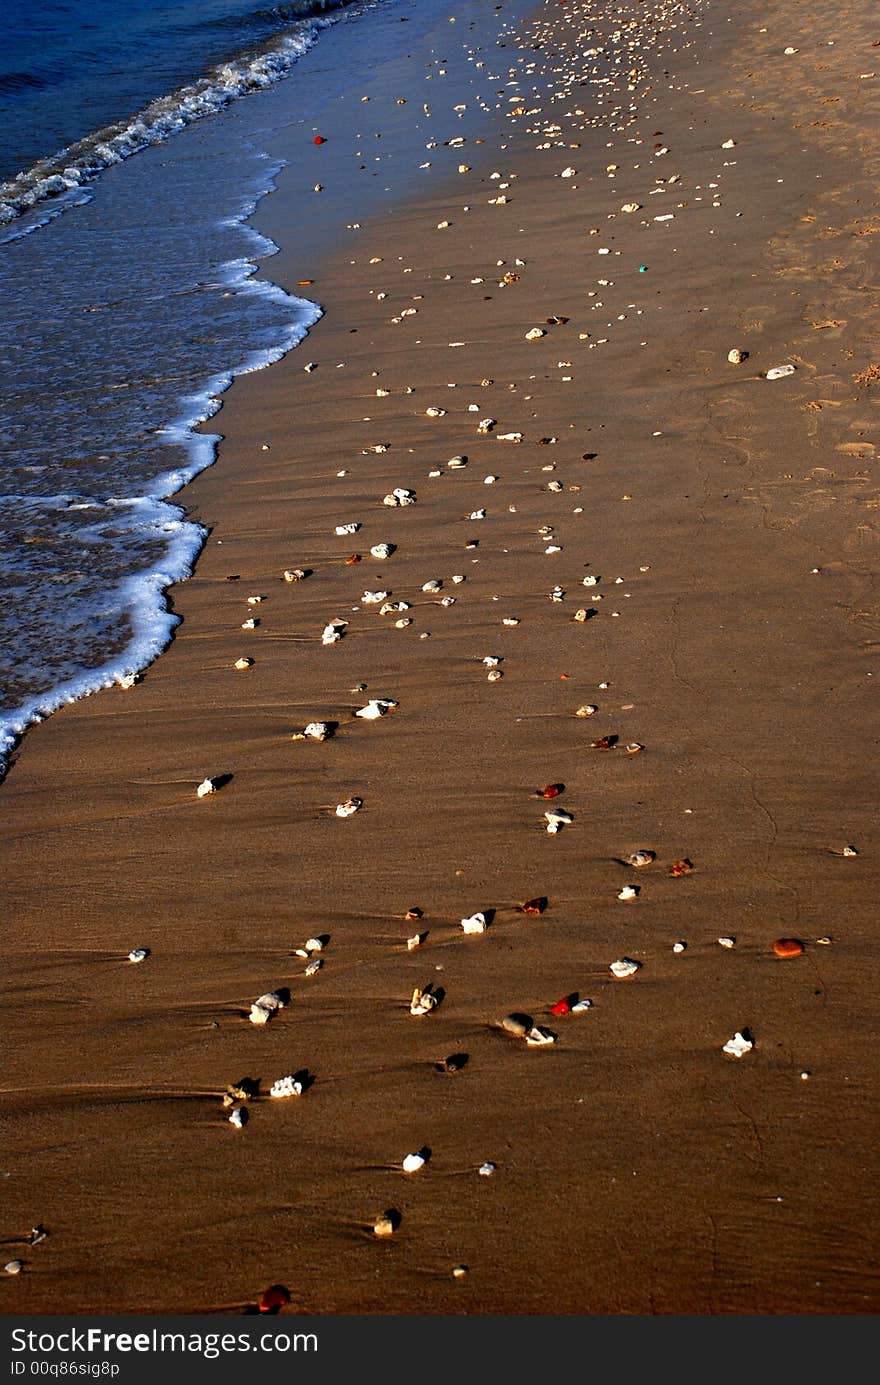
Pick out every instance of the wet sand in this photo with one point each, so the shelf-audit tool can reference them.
(726, 526)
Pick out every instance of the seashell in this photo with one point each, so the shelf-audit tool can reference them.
(448, 601)
(390, 607)
(634, 747)
(382, 550)
(555, 487)
(580, 1006)
(402, 624)
(295, 574)
(434, 412)
(486, 1170)
(557, 818)
(343, 529)
(459, 1271)
(139, 954)
(375, 708)
(206, 787)
(486, 425)
(477, 514)
(581, 615)
(243, 662)
(510, 437)
(682, 867)
(568, 173)
(642, 857)
(374, 598)
(849, 851)
(239, 1117)
(318, 731)
(534, 333)
(729, 144)
(628, 892)
(273, 1299)
(590, 581)
(778, 372)
(477, 923)
(456, 463)
(740, 1044)
(631, 207)
(510, 620)
(517, 1024)
(557, 594)
(387, 1224)
(588, 710)
(413, 1162)
(788, 947)
(245, 1090)
(286, 1086)
(736, 356)
(727, 943)
(538, 1036)
(377, 447)
(310, 946)
(415, 941)
(534, 906)
(250, 624)
(313, 968)
(13, 1267)
(623, 967)
(255, 600)
(550, 791)
(424, 1000)
(333, 631)
(679, 947)
(435, 585)
(553, 548)
(349, 807)
(265, 1006)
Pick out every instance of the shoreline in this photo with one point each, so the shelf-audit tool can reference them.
(639, 1169)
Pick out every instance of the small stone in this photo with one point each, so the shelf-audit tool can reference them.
(739, 1045)
(624, 967)
(788, 947)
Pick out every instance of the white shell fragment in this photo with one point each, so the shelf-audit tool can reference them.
(738, 1045)
(736, 356)
(628, 892)
(313, 968)
(374, 598)
(486, 1170)
(349, 807)
(333, 631)
(727, 943)
(642, 857)
(382, 550)
(239, 1117)
(557, 818)
(423, 1001)
(534, 333)
(778, 372)
(294, 574)
(317, 731)
(580, 1006)
(375, 708)
(538, 1036)
(413, 1162)
(400, 496)
(623, 967)
(13, 1267)
(475, 924)
(206, 787)
(139, 954)
(310, 946)
(286, 1086)
(265, 1006)
(343, 529)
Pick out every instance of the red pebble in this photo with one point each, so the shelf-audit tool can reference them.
(319, 139)
(273, 1299)
(562, 1007)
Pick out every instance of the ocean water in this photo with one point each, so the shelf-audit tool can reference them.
(137, 137)
(129, 303)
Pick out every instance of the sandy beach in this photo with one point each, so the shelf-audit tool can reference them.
(618, 642)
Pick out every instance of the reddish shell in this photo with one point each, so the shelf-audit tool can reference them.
(788, 947)
(353, 558)
(274, 1298)
(551, 791)
(562, 1007)
(319, 139)
(683, 867)
(534, 906)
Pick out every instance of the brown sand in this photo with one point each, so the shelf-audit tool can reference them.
(639, 1168)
